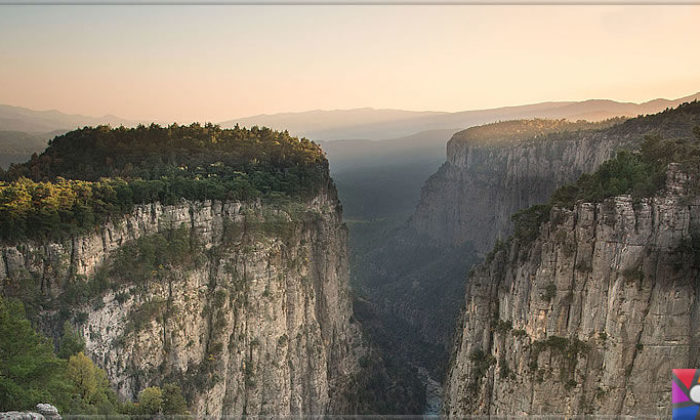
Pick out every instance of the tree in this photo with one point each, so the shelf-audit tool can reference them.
(173, 401)
(81, 371)
(29, 371)
(71, 342)
(151, 400)
(92, 394)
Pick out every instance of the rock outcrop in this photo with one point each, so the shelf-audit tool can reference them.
(48, 411)
(590, 317)
(262, 324)
(43, 412)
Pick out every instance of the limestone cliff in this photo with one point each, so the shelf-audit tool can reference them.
(588, 318)
(259, 323)
(493, 171)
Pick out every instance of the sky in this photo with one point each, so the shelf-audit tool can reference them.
(213, 63)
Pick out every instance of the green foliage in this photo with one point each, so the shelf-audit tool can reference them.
(519, 333)
(628, 173)
(640, 174)
(29, 371)
(482, 362)
(527, 222)
(152, 256)
(91, 391)
(71, 342)
(385, 386)
(152, 152)
(81, 371)
(173, 401)
(549, 292)
(141, 316)
(90, 175)
(569, 349)
(173, 389)
(497, 247)
(148, 258)
(150, 400)
(167, 400)
(500, 326)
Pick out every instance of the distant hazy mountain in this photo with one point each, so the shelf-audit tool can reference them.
(18, 146)
(25, 131)
(374, 124)
(337, 124)
(22, 119)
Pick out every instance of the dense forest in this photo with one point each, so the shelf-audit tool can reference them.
(88, 175)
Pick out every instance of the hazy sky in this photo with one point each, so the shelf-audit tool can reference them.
(211, 63)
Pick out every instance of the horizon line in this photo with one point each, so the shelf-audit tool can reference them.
(229, 120)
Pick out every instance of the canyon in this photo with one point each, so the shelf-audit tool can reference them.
(419, 273)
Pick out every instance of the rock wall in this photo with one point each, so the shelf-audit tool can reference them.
(482, 183)
(588, 318)
(261, 325)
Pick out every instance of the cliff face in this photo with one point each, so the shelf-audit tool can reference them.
(260, 324)
(590, 317)
(473, 195)
(483, 182)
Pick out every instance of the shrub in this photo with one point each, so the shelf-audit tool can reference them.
(502, 327)
(519, 333)
(550, 291)
(481, 362)
(633, 274)
(527, 222)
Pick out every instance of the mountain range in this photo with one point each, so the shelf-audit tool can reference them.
(361, 123)
(14, 118)
(377, 124)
